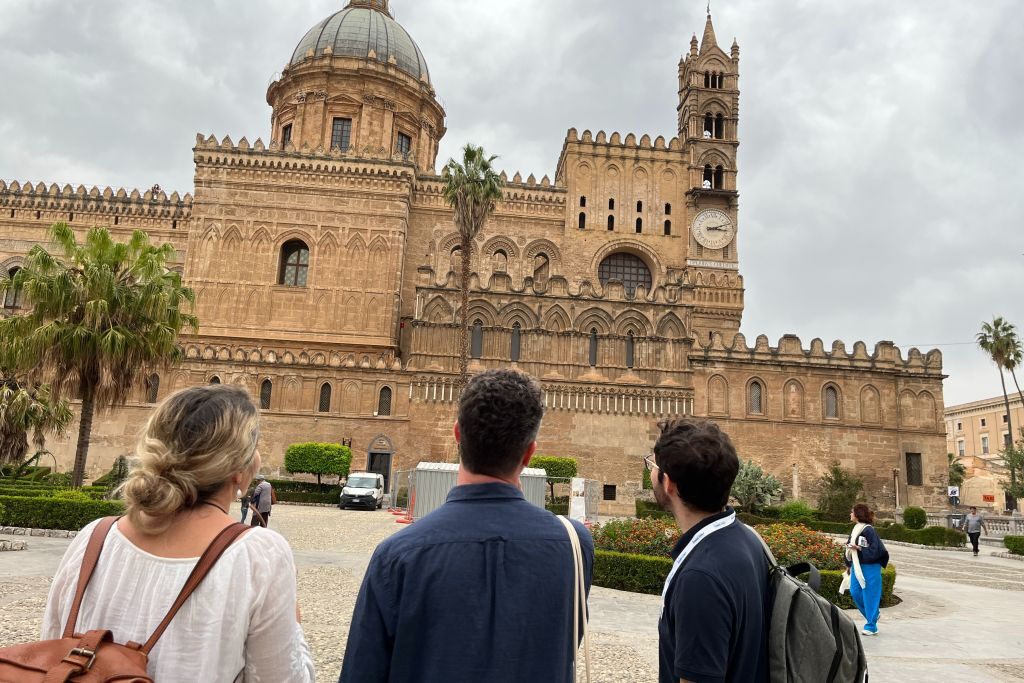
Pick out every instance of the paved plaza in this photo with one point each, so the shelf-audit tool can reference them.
(961, 620)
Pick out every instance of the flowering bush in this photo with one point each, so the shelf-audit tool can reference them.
(650, 536)
(791, 544)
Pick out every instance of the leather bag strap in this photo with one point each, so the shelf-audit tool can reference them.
(209, 558)
(80, 658)
(89, 561)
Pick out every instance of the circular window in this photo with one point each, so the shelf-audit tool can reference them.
(629, 269)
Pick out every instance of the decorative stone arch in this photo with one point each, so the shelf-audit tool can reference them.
(908, 418)
(517, 312)
(380, 455)
(484, 310)
(500, 242)
(594, 318)
(755, 398)
(629, 246)
(439, 311)
(355, 242)
(384, 399)
(870, 405)
(350, 398)
(718, 395)
(295, 234)
(611, 169)
(926, 416)
(557, 320)
(713, 158)
(793, 400)
(448, 242)
(11, 262)
(838, 401)
(715, 105)
(632, 321)
(548, 247)
(671, 327)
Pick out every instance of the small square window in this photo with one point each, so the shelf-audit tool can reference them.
(404, 144)
(959, 426)
(609, 491)
(982, 422)
(286, 135)
(1004, 418)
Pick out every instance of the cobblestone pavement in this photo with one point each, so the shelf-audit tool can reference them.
(960, 620)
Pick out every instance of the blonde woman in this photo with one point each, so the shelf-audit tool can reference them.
(197, 451)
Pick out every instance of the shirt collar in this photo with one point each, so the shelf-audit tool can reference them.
(688, 536)
(495, 491)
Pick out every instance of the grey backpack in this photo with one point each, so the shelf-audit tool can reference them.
(810, 640)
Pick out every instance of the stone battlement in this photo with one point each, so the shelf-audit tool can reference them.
(152, 203)
(790, 349)
(615, 140)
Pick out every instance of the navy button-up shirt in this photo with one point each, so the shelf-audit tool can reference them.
(478, 590)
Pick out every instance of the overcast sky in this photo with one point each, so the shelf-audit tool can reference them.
(881, 142)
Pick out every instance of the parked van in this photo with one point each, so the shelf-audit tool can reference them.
(363, 489)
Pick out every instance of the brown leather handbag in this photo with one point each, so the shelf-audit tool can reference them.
(94, 657)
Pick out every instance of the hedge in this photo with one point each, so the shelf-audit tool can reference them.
(817, 525)
(54, 513)
(281, 485)
(933, 535)
(558, 508)
(646, 574)
(650, 508)
(96, 493)
(306, 497)
(1015, 544)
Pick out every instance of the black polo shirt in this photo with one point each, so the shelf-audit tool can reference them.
(478, 591)
(714, 627)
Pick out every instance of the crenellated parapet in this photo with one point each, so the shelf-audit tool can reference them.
(541, 199)
(607, 148)
(790, 351)
(152, 203)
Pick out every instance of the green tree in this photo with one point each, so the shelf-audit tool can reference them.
(27, 408)
(957, 471)
(556, 469)
(102, 314)
(1013, 458)
(318, 459)
(997, 340)
(472, 188)
(838, 491)
(1014, 357)
(754, 487)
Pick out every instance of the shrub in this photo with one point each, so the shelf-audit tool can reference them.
(791, 544)
(54, 513)
(556, 469)
(794, 510)
(915, 518)
(59, 479)
(647, 485)
(39, 491)
(769, 512)
(117, 473)
(838, 491)
(1015, 544)
(933, 535)
(830, 580)
(318, 459)
(650, 508)
(634, 573)
(637, 536)
(753, 487)
(557, 508)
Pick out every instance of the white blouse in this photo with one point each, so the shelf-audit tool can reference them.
(238, 625)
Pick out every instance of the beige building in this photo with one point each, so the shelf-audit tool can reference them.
(324, 265)
(976, 432)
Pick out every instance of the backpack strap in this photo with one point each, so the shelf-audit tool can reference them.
(209, 558)
(89, 561)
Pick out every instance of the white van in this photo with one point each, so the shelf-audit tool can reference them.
(363, 489)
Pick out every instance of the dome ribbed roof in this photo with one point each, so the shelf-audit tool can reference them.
(359, 28)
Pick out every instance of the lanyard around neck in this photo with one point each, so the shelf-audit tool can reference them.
(697, 538)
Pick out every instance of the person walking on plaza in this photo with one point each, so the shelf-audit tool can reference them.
(483, 588)
(716, 599)
(262, 501)
(974, 524)
(197, 450)
(244, 502)
(866, 556)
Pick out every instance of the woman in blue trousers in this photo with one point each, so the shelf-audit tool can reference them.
(865, 557)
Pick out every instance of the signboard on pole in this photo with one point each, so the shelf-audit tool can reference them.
(953, 491)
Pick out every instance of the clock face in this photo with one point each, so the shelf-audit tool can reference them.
(713, 229)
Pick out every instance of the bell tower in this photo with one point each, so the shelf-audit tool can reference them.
(708, 117)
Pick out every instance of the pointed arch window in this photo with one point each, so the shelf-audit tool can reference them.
(611, 222)
(831, 403)
(668, 227)
(630, 349)
(709, 177)
(668, 209)
(541, 267)
(583, 201)
(476, 346)
(266, 392)
(707, 79)
(709, 125)
(499, 261)
(384, 401)
(13, 298)
(286, 136)
(719, 127)
(152, 388)
(639, 225)
(719, 182)
(215, 380)
(294, 264)
(516, 342)
(324, 405)
(628, 268)
(592, 357)
(583, 221)
(755, 398)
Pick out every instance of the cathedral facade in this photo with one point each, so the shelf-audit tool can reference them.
(325, 268)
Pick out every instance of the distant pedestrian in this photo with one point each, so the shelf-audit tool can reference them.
(244, 502)
(716, 599)
(483, 589)
(866, 556)
(261, 502)
(974, 524)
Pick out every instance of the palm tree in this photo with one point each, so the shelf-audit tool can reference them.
(1014, 357)
(994, 340)
(26, 407)
(102, 315)
(472, 189)
(956, 471)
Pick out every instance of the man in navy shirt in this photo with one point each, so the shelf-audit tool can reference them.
(481, 589)
(716, 600)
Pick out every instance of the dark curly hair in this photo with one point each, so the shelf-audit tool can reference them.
(499, 417)
(700, 459)
(863, 513)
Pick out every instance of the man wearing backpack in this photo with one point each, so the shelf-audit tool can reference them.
(716, 600)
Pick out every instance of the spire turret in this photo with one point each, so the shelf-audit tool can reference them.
(693, 45)
(708, 41)
(379, 5)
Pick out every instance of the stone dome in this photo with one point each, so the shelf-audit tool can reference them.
(364, 29)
